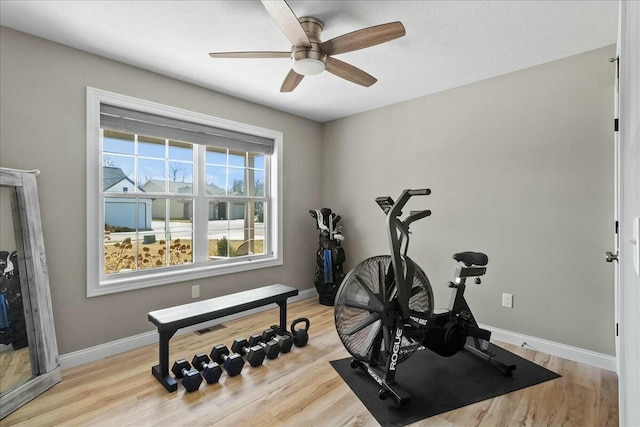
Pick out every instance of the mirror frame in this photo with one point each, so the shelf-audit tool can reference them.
(34, 280)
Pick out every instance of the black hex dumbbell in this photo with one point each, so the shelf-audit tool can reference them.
(191, 378)
(255, 355)
(271, 347)
(210, 371)
(232, 363)
(285, 342)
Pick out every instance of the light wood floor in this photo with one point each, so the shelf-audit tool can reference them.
(297, 389)
(15, 368)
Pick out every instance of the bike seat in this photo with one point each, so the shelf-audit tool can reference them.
(472, 258)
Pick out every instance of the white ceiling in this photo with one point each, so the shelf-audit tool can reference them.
(448, 43)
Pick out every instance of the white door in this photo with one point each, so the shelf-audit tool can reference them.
(612, 256)
(629, 201)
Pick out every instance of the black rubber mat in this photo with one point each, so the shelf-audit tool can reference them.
(439, 384)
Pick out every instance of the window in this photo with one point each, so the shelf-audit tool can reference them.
(174, 195)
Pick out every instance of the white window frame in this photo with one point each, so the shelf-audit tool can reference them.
(97, 282)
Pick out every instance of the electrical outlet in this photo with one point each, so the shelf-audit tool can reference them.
(195, 291)
(507, 300)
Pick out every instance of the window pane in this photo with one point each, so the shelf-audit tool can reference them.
(118, 173)
(237, 158)
(242, 247)
(180, 151)
(236, 215)
(119, 252)
(216, 156)
(218, 247)
(258, 243)
(256, 161)
(238, 232)
(248, 247)
(256, 183)
(236, 185)
(151, 147)
(181, 177)
(159, 214)
(258, 213)
(119, 215)
(217, 211)
(151, 254)
(181, 231)
(217, 229)
(151, 175)
(118, 142)
(216, 180)
(145, 213)
(180, 248)
(160, 250)
(181, 214)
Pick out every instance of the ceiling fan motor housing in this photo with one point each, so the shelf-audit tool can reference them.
(309, 60)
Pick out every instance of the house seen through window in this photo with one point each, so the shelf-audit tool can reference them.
(154, 228)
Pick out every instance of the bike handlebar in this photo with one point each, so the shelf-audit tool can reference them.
(420, 192)
(396, 210)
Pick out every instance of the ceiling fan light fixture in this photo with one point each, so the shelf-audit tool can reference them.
(308, 66)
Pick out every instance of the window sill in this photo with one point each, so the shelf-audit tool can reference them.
(126, 282)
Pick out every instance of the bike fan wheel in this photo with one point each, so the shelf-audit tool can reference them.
(359, 306)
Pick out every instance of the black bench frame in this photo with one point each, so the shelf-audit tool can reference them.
(169, 320)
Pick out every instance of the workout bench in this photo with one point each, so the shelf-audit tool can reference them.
(169, 320)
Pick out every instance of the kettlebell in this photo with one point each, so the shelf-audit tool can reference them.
(300, 336)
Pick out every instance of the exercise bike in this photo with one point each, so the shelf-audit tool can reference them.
(384, 307)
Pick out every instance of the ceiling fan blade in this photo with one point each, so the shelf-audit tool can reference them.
(363, 38)
(257, 54)
(287, 21)
(291, 81)
(349, 72)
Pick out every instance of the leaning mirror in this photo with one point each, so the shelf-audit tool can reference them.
(28, 349)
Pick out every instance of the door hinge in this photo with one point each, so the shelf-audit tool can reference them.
(615, 125)
(617, 332)
(617, 224)
(610, 256)
(617, 61)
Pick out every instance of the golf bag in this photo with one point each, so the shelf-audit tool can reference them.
(330, 255)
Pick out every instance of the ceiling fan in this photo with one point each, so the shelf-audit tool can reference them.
(310, 55)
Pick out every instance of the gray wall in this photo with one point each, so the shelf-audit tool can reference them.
(519, 165)
(521, 168)
(43, 87)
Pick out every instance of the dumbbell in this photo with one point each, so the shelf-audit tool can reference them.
(191, 378)
(210, 371)
(272, 343)
(271, 347)
(285, 341)
(255, 355)
(232, 363)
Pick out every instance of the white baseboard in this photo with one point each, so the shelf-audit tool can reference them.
(588, 357)
(101, 351)
(91, 354)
